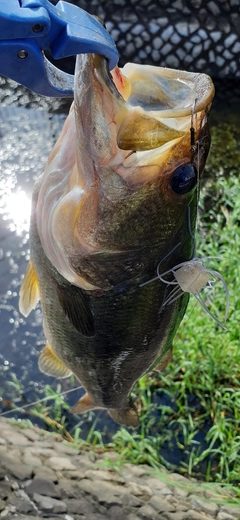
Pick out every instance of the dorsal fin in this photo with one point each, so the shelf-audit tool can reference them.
(29, 292)
(75, 304)
(50, 364)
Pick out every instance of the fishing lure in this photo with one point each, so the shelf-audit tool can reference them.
(192, 276)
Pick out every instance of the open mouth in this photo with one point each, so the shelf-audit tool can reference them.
(163, 103)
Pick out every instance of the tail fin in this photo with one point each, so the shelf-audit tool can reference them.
(125, 416)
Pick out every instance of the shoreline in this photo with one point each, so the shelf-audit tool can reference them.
(43, 476)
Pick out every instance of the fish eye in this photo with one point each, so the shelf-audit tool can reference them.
(184, 179)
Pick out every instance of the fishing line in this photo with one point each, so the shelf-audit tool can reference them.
(20, 408)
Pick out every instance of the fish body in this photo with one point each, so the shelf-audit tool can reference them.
(118, 197)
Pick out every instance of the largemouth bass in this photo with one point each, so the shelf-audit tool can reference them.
(118, 198)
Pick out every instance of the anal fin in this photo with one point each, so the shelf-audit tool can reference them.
(50, 364)
(29, 292)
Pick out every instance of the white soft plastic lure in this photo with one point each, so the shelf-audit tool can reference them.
(192, 276)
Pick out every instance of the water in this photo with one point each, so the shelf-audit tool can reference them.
(27, 136)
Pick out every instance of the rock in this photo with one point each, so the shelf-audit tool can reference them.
(5, 489)
(2, 505)
(43, 487)
(204, 506)
(43, 472)
(16, 438)
(21, 505)
(131, 501)
(32, 434)
(31, 460)
(224, 516)
(147, 512)
(139, 490)
(104, 475)
(73, 475)
(137, 471)
(116, 513)
(65, 448)
(107, 499)
(174, 516)
(179, 492)
(159, 486)
(68, 489)
(39, 451)
(49, 505)
(160, 505)
(2, 441)
(194, 515)
(79, 506)
(60, 463)
(97, 488)
(18, 470)
(231, 510)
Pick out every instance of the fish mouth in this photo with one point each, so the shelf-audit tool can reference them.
(152, 110)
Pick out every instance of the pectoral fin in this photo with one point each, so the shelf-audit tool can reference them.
(75, 304)
(50, 364)
(29, 292)
(85, 404)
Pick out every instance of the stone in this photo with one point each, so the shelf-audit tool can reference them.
(224, 516)
(27, 517)
(5, 489)
(31, 460)
(43, 487)
(97, 488)
(21, 505)
(67, 489)
(104, 475)
(131, 501)
(2, 505)
(137, 471)
(147, 512)
(60, 463)
(18, 470)
(65, 448)
(194, 515)
(39, 451)
(179, 492)
(230, 510)
(79, 506)
(204, 506)
(2, 441)
(49, 505)
(73, 475)
(32, 434)
(139, 490)
(159, 486)
(116, 513)
(161, 505)
(43, 472)
(174, 516)
(17, 439)
(107, 499)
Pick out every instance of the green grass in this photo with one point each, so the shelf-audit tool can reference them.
(194, 406)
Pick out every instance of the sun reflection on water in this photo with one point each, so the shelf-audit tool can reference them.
(16, 207)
